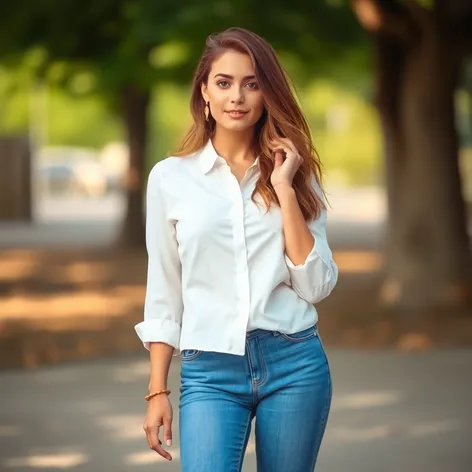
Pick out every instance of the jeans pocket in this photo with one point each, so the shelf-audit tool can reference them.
(190, 354)
(304, 335)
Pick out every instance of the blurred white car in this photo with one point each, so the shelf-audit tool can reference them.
(82, 177)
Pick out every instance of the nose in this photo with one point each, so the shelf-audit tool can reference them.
(237, 95)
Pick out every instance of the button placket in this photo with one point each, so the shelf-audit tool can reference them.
(240, 253)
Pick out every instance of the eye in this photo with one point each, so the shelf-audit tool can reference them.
(223, 84)
(252, 85)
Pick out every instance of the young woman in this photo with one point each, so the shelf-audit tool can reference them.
(238, 257)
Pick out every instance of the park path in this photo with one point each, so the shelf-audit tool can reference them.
(391, 413)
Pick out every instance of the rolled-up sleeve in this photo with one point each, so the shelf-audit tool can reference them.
(317, 276)
(163, 301)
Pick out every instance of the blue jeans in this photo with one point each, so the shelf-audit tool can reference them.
(283, 381)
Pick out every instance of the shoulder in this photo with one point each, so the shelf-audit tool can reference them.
(171, 167)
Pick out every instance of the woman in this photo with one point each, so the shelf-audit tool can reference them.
(237, 257)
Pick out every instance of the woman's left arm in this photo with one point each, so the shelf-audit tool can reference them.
(307, 253)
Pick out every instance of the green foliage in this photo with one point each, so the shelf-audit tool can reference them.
(122, 40)
(14, 103)
(69, 119)
(90, 49)
(344, 126)
(83, 121)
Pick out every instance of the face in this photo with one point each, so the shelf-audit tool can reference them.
(236, 102)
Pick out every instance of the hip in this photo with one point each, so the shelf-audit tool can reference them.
(272, 360)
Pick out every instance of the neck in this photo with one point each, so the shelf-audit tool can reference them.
(234, 147)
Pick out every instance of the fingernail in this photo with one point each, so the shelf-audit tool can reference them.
(169, 442)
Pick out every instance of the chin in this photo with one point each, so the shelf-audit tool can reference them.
(236, 125)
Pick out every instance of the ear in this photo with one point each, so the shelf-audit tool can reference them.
(204, 89)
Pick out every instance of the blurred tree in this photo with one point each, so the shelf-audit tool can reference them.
(419, 49)
(126, 46)
(109, 43)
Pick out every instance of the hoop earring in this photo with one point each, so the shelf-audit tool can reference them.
(207, 111)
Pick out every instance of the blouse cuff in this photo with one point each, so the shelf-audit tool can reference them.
(315, 253)
(159, 330)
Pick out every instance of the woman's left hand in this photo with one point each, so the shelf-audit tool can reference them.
(284, 169)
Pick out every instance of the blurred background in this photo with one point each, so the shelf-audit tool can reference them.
(94, 93)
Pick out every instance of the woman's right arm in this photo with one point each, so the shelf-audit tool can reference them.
(159, 412)
(163, 306)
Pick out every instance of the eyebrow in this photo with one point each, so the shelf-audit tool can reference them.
(227, 76)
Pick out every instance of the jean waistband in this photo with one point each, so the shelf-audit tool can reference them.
(256, 333)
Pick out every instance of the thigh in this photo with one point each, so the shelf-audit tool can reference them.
(291, 420)
(214, 421)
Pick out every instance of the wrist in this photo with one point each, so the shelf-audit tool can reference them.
(157, 393)
(157, 388)
(284, 191)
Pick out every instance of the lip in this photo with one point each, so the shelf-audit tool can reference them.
(237, 114)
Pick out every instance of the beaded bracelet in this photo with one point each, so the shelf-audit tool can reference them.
(159, 392)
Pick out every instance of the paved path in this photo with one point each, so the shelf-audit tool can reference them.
(391, 413)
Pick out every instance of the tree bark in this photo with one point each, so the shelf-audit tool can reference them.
(135, 104)
(428, 259)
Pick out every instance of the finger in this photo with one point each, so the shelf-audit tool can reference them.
(289, 144)
(289, 154)
(279, 160)
(155, 443)
(168, 431)
(285, 142)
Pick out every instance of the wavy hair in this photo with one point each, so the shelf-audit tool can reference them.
(282, 117)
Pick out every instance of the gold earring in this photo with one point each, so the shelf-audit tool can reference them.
(207, 111)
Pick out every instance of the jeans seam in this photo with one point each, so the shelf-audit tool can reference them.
(254, 394)
(324, 419)
(246, 438)
(264, 366)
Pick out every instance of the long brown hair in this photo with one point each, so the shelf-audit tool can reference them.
(282, 117)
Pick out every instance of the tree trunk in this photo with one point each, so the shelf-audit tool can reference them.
(135, 103)
(428, 259)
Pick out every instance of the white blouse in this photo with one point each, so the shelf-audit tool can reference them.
(217, 266)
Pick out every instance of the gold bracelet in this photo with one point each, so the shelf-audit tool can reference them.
(159, 392)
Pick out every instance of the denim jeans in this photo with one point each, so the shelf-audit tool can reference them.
(283, 381)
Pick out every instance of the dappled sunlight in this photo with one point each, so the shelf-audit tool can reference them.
(122, 426)
(90, 304)
(150, 457)
(14, 268)
(429, 428)
(10, 430)
(59, 460)
(85, 272)
(358, 435)
(363, 400)
(358, 261)
(131, 372)
(350, 434)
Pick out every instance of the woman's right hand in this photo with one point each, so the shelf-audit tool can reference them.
(159, 414)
